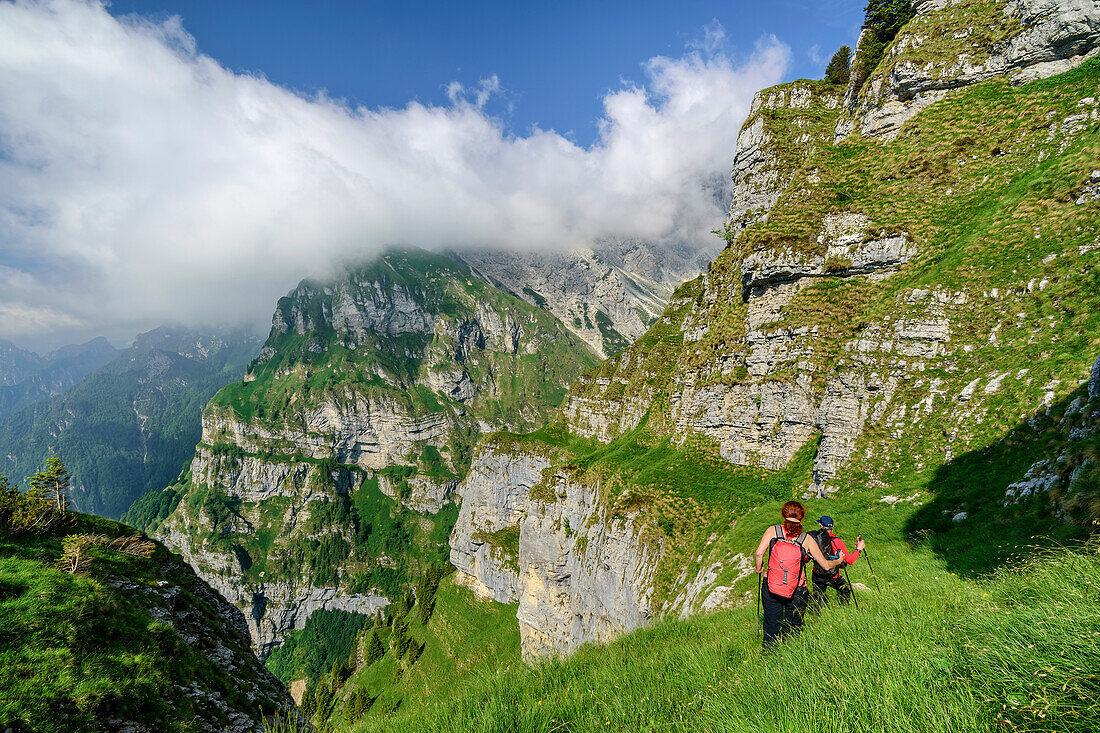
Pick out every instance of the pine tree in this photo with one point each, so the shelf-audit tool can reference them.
(375, 651)
(403, 646)
(53, 483)
(309, 701)
(887, 17)
(839, 68)
(426, 590)
(415, 650)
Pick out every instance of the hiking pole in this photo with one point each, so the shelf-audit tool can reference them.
(759, 583)
(869, 565)
(845, 569)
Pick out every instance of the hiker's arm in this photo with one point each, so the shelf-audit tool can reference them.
(849, 557)
(762, 548)
(815, 552)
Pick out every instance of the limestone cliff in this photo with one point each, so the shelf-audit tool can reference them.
(607, 294)
(955, 43)
(325, 479)
(908, 298)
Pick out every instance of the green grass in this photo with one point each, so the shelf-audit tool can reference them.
(930, 653)
(76, 651)
(465, 639)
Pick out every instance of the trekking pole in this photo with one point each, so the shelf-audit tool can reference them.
(845, 569)
(869, 565)
(759, 583)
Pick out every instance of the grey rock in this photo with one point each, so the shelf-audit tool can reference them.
(579, 575)
(1094, 381)
(759, 174)
(1057, 35)
(217, 630)
(629, 282)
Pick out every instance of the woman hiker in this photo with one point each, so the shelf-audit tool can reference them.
(783, 590)
(832, 547)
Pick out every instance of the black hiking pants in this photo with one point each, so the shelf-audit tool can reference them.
(782, 616)
(822, 584)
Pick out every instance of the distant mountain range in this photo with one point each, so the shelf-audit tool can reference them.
(26, 377)
(128, 426)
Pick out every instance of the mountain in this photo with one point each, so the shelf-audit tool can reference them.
(608, 294)
(900, 330)
(904, 315)
(130, 426)
(325, 479)
(27, 378)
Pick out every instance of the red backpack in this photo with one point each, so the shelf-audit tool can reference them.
(785, 558)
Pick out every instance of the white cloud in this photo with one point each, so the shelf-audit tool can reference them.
(815, 55)
(140, 181)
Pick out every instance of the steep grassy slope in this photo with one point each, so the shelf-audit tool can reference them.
(130, 427)
(132, 641)
(982, 624)
(931, 653)
(465, 639)
(988, 184)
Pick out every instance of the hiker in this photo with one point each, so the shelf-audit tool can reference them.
(783, 591)
(832, 547)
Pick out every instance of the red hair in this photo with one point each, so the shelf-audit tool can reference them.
(793, 512)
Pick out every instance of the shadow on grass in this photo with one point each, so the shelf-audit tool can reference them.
(995, 530)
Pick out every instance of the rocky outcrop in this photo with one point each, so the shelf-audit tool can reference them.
(607, 294)
(272, 607)
(785, 123)
(584, 575)
(578, 573)
(217, 631)
(1021, 39)
(495, 497)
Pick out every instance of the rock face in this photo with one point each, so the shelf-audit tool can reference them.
(325, 480)
(1021, 39)
(277, 606)
(217, 631)
(884, 307)
(582, 569)
(545, 540)
(607, 294)
(785, 124)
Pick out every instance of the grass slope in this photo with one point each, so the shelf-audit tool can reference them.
(465, 639)
(1017, 651)
(77, 653)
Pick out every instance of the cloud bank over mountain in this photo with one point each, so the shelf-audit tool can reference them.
(141, 181)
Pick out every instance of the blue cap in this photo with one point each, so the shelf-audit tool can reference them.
(825, 521)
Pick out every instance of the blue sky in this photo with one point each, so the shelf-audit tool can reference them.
(190, 162)
(555, 60)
